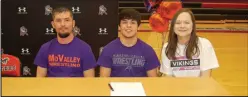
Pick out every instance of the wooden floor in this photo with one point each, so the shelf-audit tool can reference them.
(231, 50)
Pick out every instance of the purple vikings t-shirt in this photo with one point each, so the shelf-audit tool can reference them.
(125, 61)
(65, 60)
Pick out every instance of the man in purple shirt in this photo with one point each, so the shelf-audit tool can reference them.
(128, 56)
(66, 55)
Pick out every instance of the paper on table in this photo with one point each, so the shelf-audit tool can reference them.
(127, 89)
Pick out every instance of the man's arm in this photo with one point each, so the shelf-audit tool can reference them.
(41, 72)
(89, 73)
(105, 62)
(89, 62)
(41, 60)
(105, 72)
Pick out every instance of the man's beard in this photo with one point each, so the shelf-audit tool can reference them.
(63, 35)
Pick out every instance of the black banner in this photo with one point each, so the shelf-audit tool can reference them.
(26, 25)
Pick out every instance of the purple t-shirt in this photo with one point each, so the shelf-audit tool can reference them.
(65, 60)
(125, 61)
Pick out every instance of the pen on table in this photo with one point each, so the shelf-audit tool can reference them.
(110, 87)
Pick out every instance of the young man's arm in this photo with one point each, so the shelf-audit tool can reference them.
(152, 63)
(105, 72)
(152, 72)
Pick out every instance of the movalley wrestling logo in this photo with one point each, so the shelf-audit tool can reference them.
(62, 60)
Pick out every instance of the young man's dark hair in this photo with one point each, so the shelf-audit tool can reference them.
(130, 14)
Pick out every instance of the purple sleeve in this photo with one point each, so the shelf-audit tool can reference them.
(151, 59)
(41, 58)
(89, 60)
(105, 59)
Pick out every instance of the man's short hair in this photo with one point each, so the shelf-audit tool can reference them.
(61, 10)
(130, 14)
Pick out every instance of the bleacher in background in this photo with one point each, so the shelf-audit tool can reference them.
(204, 10)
